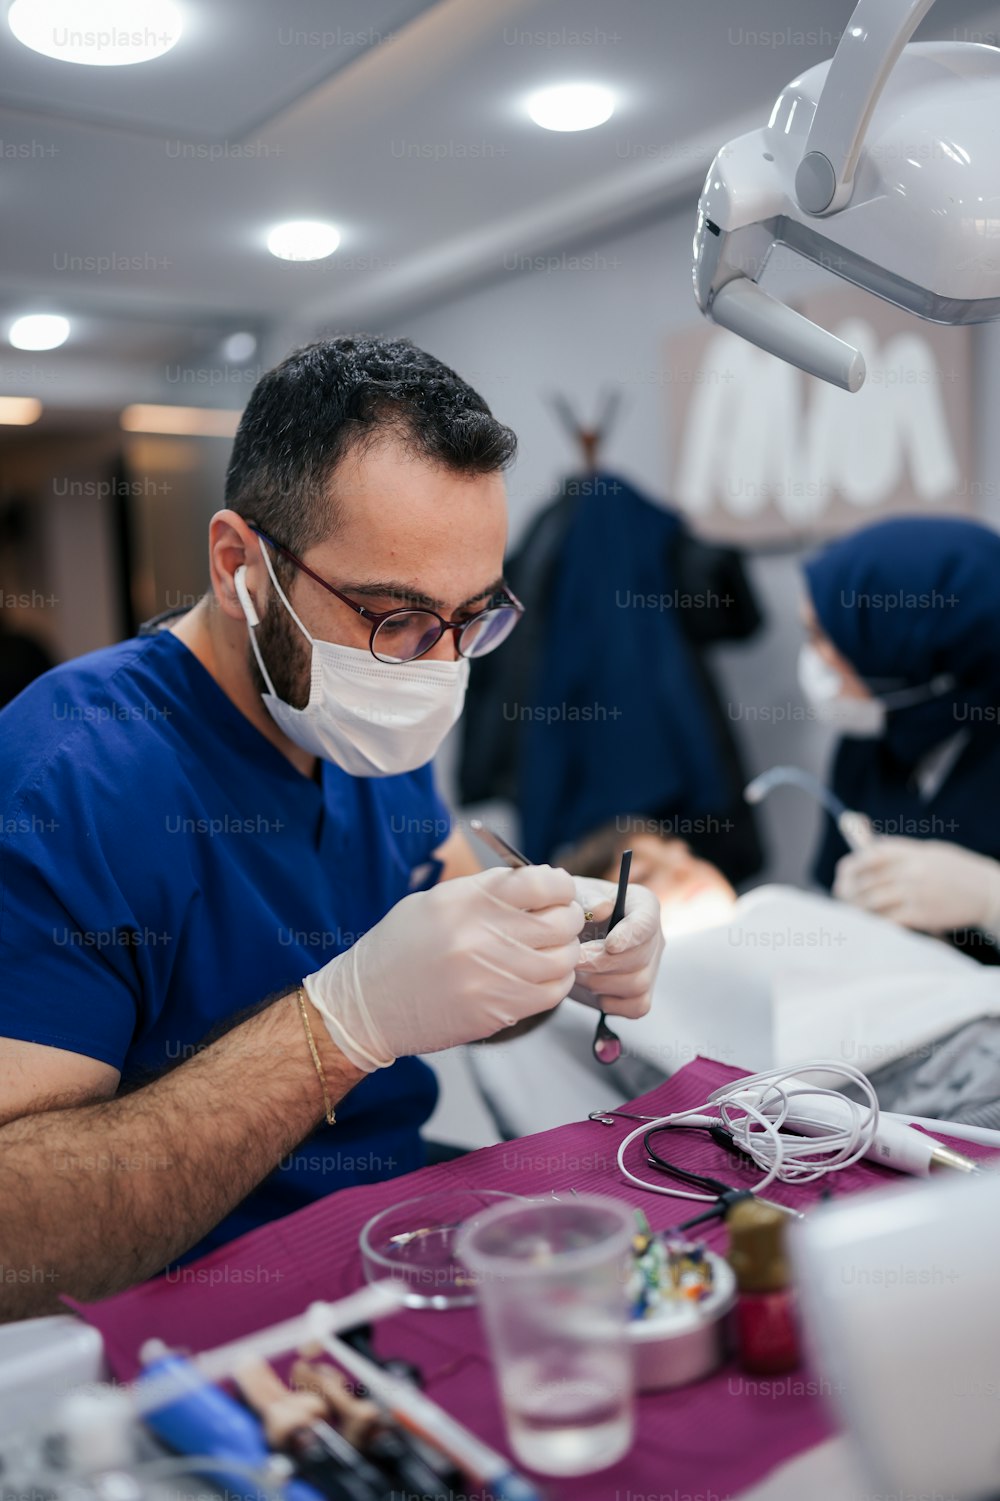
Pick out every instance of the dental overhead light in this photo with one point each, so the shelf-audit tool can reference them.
(880, 166)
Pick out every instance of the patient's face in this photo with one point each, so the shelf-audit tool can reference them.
(692, 893)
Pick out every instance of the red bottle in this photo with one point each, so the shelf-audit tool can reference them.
(767, 1330)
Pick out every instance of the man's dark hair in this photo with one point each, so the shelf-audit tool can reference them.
(342, 395)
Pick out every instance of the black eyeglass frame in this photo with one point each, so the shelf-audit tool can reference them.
(509, 599)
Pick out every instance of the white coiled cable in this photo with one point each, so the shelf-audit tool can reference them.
(755, 1109)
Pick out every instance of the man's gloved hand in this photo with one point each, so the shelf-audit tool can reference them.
(922, 883)
(452, 965)
(616, 974)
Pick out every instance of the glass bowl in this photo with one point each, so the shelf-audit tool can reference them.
(414, 1243)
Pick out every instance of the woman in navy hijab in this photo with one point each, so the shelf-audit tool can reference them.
(903, 655)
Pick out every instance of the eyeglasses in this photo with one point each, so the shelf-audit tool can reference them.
(404, 635)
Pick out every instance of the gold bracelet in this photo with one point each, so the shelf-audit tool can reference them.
(331, 1119)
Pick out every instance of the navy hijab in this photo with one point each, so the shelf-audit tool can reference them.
(908, 602)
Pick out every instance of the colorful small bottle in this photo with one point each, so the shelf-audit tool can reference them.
(767, 1330)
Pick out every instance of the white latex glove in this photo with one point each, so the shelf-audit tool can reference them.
(922, 883)
(616, 974)
(452, 965)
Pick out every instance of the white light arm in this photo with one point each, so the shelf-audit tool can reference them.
(866, 54)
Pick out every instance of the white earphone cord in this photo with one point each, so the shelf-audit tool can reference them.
(755, 1109)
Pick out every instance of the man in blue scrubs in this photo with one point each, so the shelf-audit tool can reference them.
(227, 827)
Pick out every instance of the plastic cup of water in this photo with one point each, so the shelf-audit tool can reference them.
(551, 1280)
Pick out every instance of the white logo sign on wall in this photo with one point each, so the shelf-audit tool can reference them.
(763, 451)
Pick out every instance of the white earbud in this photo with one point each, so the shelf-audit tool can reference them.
(243, 595)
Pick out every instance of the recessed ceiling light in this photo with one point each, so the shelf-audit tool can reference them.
(101, 33)
(19, 411)
(238, 348)
(39, 331)
(571, 106)
(303, 240)
(196, 422)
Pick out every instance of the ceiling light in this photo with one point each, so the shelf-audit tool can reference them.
(238, 348)
(571, 106)
(39, 331)
(102, 33)
(19, 411)
(186, 422)
(303, 240)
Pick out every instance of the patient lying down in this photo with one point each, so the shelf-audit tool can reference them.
(693, 893)
(769, 979)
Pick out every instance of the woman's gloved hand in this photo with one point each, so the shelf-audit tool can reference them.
(925, 884)
(451, 965)
(616, 974)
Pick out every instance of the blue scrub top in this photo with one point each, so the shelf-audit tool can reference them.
(163, 867)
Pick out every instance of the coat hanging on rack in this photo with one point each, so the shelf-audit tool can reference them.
(601, 705)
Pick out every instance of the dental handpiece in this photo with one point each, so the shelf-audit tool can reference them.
(854, 827)
(894, 1143)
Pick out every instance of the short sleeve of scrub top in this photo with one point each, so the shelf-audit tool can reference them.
(163, 868)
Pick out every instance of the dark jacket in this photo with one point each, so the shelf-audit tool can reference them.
(602, 704)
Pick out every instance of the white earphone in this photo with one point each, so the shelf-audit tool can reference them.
(243, 595)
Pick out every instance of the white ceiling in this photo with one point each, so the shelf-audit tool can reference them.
(400, 120)
(238, 64)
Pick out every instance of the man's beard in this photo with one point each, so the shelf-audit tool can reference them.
(287, 656)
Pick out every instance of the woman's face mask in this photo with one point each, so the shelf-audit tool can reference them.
(823, 688)
(371, 718)
(862, 718)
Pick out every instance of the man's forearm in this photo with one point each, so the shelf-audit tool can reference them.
(101, 1196)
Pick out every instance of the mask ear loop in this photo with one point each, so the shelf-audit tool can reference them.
(253, 619)
(922, 693)
(281, 593)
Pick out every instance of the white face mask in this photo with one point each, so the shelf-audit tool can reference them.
(371, 718)
(822, 685)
